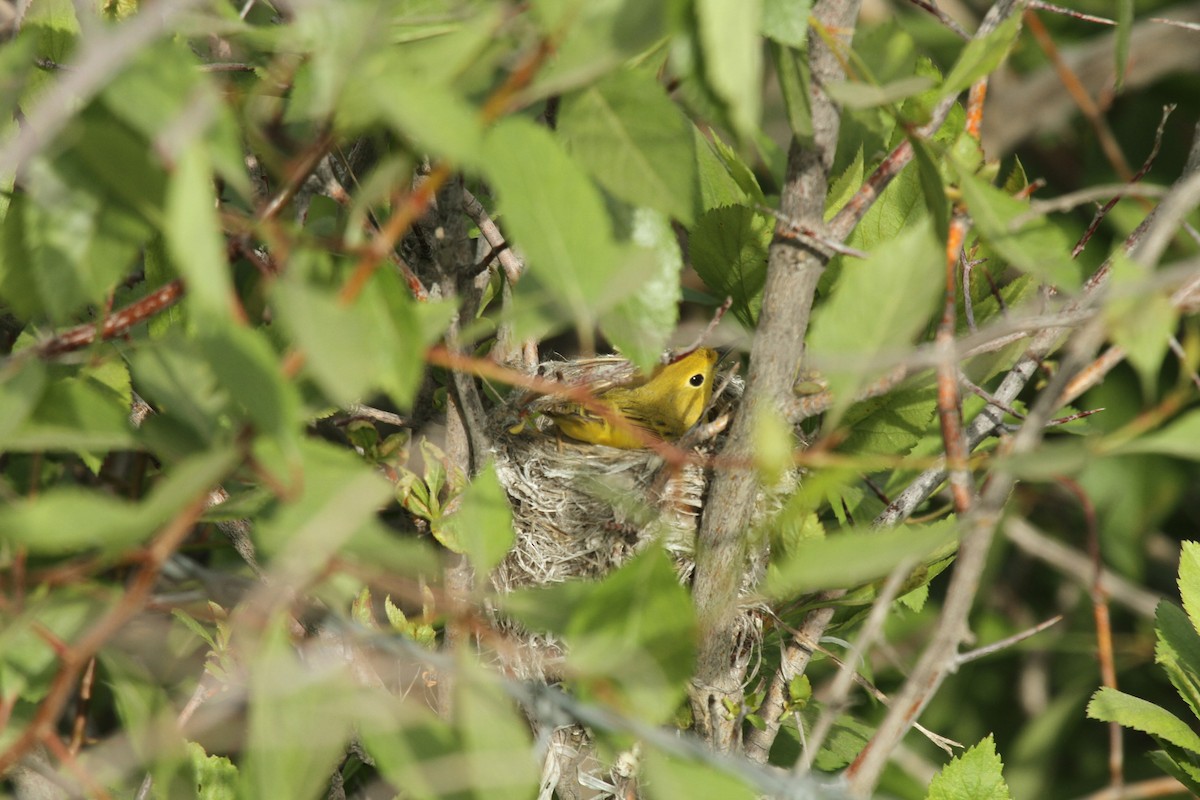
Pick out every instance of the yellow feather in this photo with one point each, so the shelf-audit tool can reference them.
(665, 405)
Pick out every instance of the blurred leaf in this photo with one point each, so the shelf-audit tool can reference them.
(22, 382)
(853, 558)
(75, 413)
(1124, 32)
(640, 325)
(27, 660)
(594, 37)
(333, 337)
(335, 495)
(634, 632)
(729, 252)
(1037, 247)
(301, 715)
(1050, 462)
(982, 55)
(786, 22)
(481, 526)
(432, 116)
(557, 215)
(245, 363)
(495, 738)
(72, 520)
(193, 236)
(932, 186)
(668, 777)
(1110, 705)
(635, 142)
(1179, 438)
(1139, 319)
(974, 775)
(729, 39)
(903, 280)
(791, 66)
(859, 95)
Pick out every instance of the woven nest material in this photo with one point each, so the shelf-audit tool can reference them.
(580, 511)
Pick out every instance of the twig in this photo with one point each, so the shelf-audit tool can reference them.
(1005, 643)
(509, 262)
(1104, 134)
(839, 690)
(942, 17)
(115, 324)
(1141, 173)
(1076, 565)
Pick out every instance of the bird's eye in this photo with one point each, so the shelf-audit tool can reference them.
(697, 379)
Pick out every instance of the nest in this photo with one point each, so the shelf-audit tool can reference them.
(582, 510)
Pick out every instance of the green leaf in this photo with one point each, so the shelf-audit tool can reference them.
(891, 424)
(641, 324)
(859, 95)
(1180, 438)
(482, 525)
(982, 55)
(729, 39)
(718, 186)
(842, 188)
(932, 186)
(215, 777)
(1037, 247)
(903, 283)
(786, 22)
(495, 739)
(1124, 32)
(71, 520)
(339, 498)
(791, 65)
(334, 338)
(1178, 651)
(433, 116)
(729, 252)
(1189, 581)
(193, 235)
(1110, 705)
(245, 363)
(633, 632)
(1139, 319)
(975, 775)
(22, 382)
(853, 558)
(1182, 766)
(75, 413)
(594, 37)
(669, 777)
(300, 720)
(556, 216)
(635, 142)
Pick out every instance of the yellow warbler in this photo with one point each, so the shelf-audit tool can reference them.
(665, 405)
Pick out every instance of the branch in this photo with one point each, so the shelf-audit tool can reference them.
(793, 270)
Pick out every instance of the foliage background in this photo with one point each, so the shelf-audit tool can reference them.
(225, 226)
